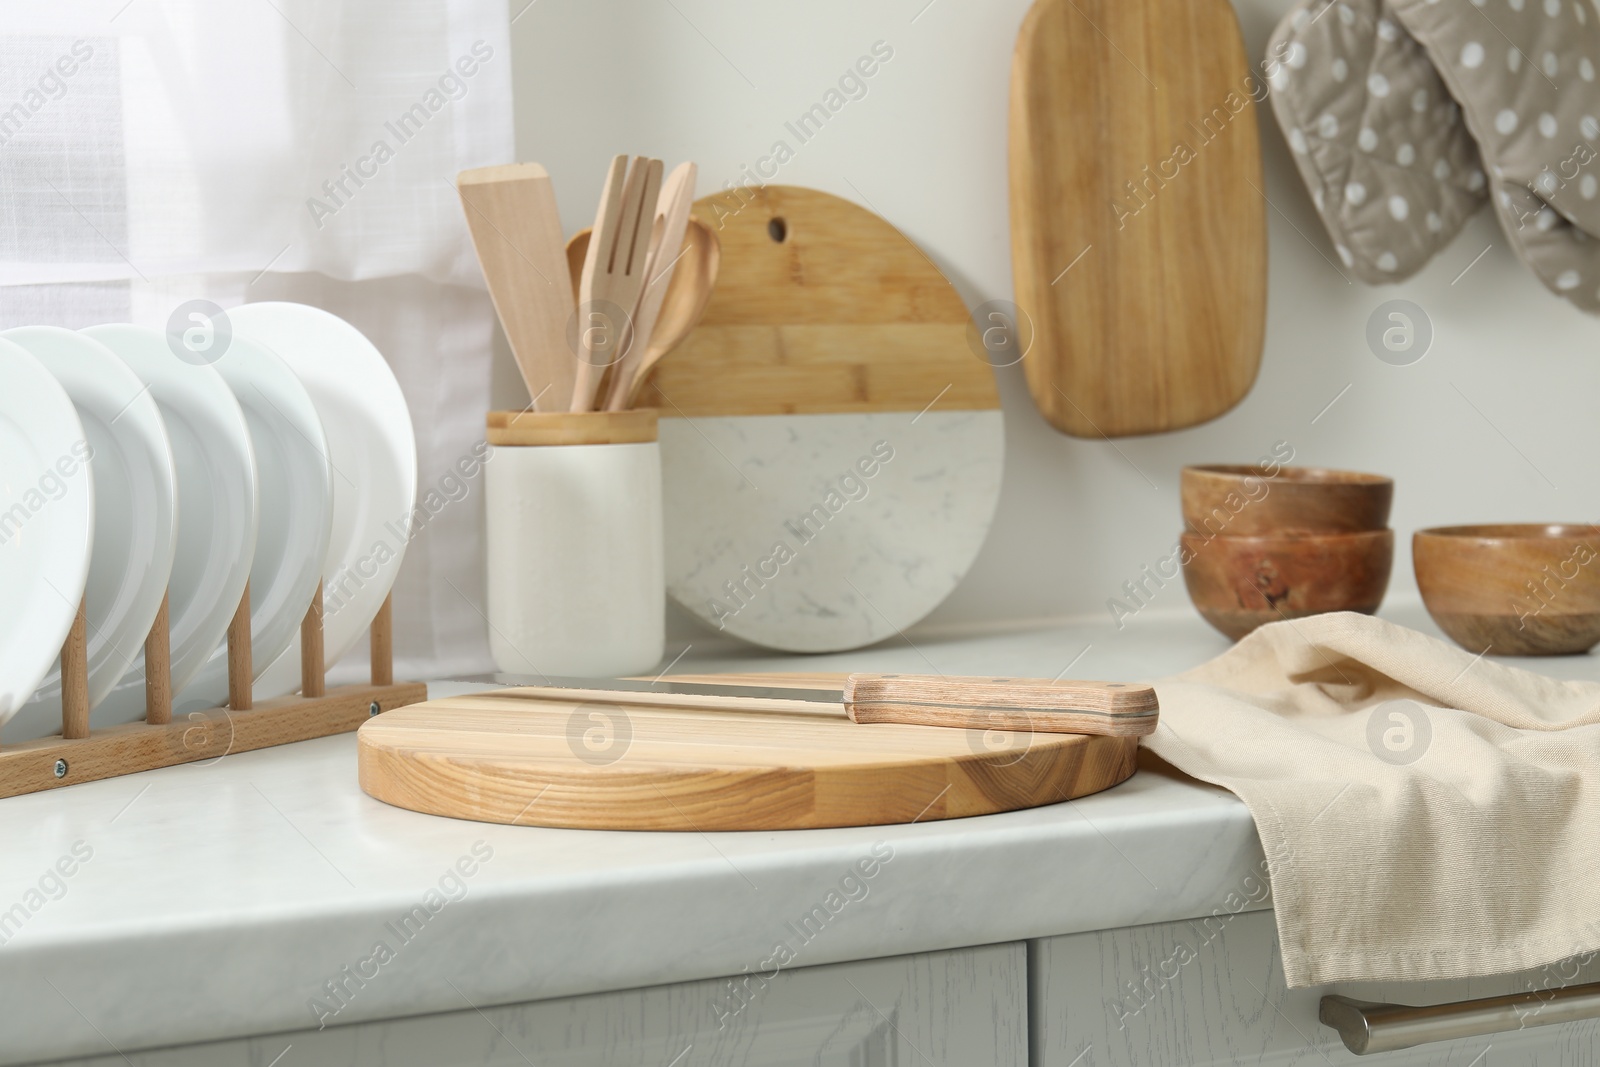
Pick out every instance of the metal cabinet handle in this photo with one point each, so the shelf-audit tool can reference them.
(1367, 1028)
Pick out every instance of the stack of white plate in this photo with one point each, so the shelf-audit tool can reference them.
(136, 466)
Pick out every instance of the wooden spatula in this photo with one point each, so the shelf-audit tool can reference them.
(613, 272)
(511, 211)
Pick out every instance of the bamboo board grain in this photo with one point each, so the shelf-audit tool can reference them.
(820, 306)
(1138, 223)
(504, 758)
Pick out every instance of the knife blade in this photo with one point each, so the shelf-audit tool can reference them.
(1116, 709)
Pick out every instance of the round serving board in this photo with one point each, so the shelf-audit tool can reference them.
(831, 443)
(507, 757)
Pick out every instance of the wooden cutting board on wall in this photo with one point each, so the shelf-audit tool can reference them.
(500, 757)
(1138, 221)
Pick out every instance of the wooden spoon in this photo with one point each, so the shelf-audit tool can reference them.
(687, 295)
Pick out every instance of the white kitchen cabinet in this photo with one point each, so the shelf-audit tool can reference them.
(965, 1008)
(1208, 993)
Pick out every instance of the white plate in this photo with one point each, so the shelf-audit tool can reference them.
(135, 509)
(296, 503)
(373, 453)
(216, 491)
(46, 522)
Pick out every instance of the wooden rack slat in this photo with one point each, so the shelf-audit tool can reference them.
(239, 672)
(383, 643)
(75, 675)
(158, 670)
(311, 666)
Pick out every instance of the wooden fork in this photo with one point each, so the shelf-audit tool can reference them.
(666, 248)
(614, 271)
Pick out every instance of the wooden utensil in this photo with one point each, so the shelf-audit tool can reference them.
(687, 294)
(504, 757)
(671, 218)
(511, 211)
(596, 266)
(1138, 225)
(613, 272)
(1113, 709)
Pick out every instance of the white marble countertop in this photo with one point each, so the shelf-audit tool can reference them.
(219, 900)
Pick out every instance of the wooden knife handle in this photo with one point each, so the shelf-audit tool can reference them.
(1115, 709)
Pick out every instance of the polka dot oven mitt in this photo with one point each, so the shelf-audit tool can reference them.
(1391, 166)
(1524, 74)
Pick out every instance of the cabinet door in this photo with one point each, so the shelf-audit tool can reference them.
(1211, 992)
(965, 1008)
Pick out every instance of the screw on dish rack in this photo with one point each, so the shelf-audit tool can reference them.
(61, 768)
(373, 709)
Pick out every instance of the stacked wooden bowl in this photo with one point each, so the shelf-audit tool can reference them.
(1263, 543)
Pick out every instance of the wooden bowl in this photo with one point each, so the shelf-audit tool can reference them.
(1238, 583)
(1243, 501)
(1513, 590)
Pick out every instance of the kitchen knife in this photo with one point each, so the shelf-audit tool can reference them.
(1113, 709)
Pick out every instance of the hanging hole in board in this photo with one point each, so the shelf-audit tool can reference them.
(778, 230)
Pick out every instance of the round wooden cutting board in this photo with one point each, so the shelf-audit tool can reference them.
(510, 758)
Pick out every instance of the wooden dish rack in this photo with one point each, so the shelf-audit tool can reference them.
(79, 754)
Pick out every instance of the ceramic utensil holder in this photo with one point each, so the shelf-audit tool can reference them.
(576, 578)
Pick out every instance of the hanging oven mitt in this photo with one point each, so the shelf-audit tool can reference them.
(1381, 144)
(1523, 72)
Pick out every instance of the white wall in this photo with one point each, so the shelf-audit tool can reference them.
(1496, 423)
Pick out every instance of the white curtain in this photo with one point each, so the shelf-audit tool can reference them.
(157, 151)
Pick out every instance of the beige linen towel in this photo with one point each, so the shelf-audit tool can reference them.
(1425, 813)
